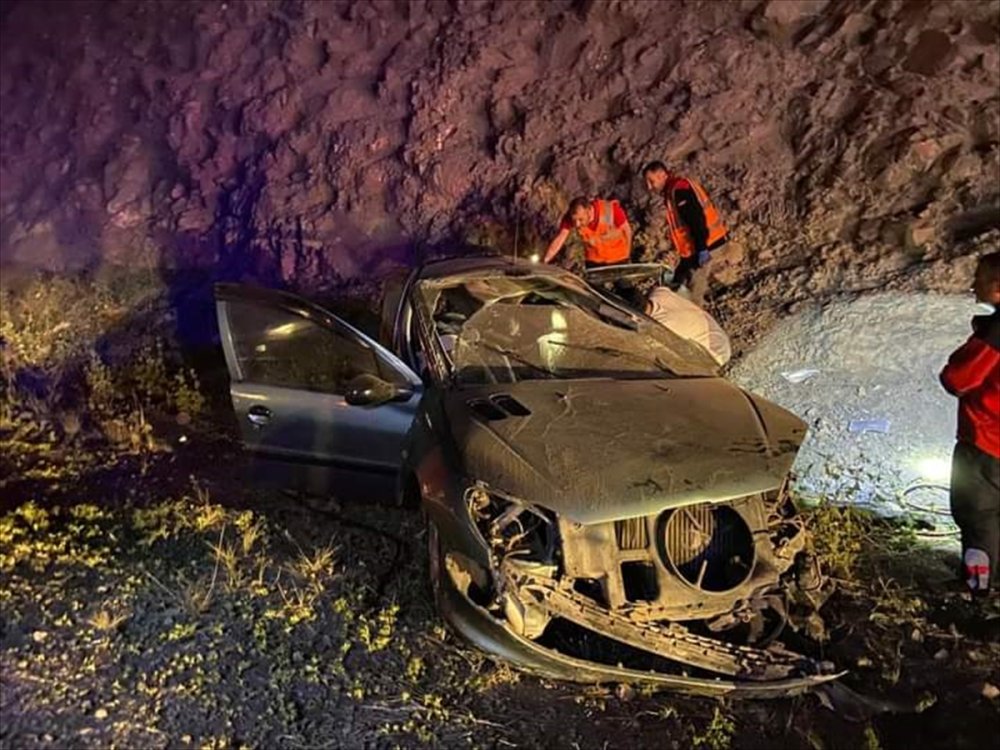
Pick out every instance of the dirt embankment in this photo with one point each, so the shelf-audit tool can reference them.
(852, 145)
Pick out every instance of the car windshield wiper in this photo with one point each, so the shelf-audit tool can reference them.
(599, 349)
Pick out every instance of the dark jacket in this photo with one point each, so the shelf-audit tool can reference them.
(973, 374)
(692, 214)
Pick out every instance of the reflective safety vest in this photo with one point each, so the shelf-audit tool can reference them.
(608, 243)
(680, 234)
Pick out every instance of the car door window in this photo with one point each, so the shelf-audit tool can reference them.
(279, 348)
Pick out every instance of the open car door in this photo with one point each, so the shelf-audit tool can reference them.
(622, 281)
(634, 273)
(320, 406)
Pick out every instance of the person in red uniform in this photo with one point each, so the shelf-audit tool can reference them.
(973, 375)
(602, 226)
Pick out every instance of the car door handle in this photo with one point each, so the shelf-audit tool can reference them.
(259, 415)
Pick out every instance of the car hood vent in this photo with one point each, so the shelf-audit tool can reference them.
(498, 407)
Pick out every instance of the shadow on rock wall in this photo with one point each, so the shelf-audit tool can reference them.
(851, 144)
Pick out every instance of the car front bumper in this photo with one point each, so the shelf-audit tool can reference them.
(485, 631)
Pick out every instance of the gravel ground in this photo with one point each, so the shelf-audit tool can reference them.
(876, 358)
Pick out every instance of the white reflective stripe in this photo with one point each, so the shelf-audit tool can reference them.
(609, 214)
(608, 221)
(706, 203)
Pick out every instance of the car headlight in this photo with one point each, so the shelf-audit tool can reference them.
(510, 527)
(521, 539)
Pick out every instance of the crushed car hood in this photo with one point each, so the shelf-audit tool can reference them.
(598, 450)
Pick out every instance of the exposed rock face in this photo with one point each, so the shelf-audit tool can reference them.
(850, 144)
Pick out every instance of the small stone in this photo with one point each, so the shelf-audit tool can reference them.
(864, 661)
(855, 26)
(990, 691)
(100, 714)
(794, 12)
(922, 236)
(941, 655)
(930, 53)
(917, 636)
(39, 636)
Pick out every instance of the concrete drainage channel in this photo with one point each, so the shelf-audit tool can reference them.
(863, 374)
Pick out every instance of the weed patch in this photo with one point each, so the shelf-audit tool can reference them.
(64, 403)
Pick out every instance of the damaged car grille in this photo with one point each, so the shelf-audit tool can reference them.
(668, 584)
(673, 640)
(631, 534)
(663, 565)
(710, 547)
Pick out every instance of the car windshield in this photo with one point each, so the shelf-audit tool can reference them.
(504, 329)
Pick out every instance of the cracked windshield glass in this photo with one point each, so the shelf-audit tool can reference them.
(503, 330)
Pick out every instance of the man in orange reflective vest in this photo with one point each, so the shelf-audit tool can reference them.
(603, 227)
(694, 223)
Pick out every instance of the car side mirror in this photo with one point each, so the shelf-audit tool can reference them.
(369, 390)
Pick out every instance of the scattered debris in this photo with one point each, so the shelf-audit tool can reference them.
(879, 424)
(856, 707)
(799, 376)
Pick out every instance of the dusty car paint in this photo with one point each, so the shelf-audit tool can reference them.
(582, 467)
(662, 443)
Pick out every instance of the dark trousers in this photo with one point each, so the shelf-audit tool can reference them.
(975, 502)
(686, 266)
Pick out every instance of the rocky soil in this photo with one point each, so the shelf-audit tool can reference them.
(863, 373)
(852, 145)
(189, 609)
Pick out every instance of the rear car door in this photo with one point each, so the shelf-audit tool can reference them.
(302, 384)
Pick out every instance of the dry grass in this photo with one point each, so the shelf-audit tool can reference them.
(56, 387)
(185, 618)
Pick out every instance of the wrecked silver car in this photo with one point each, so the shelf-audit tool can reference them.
(601, 505)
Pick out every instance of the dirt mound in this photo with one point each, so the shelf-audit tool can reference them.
(851, 145)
